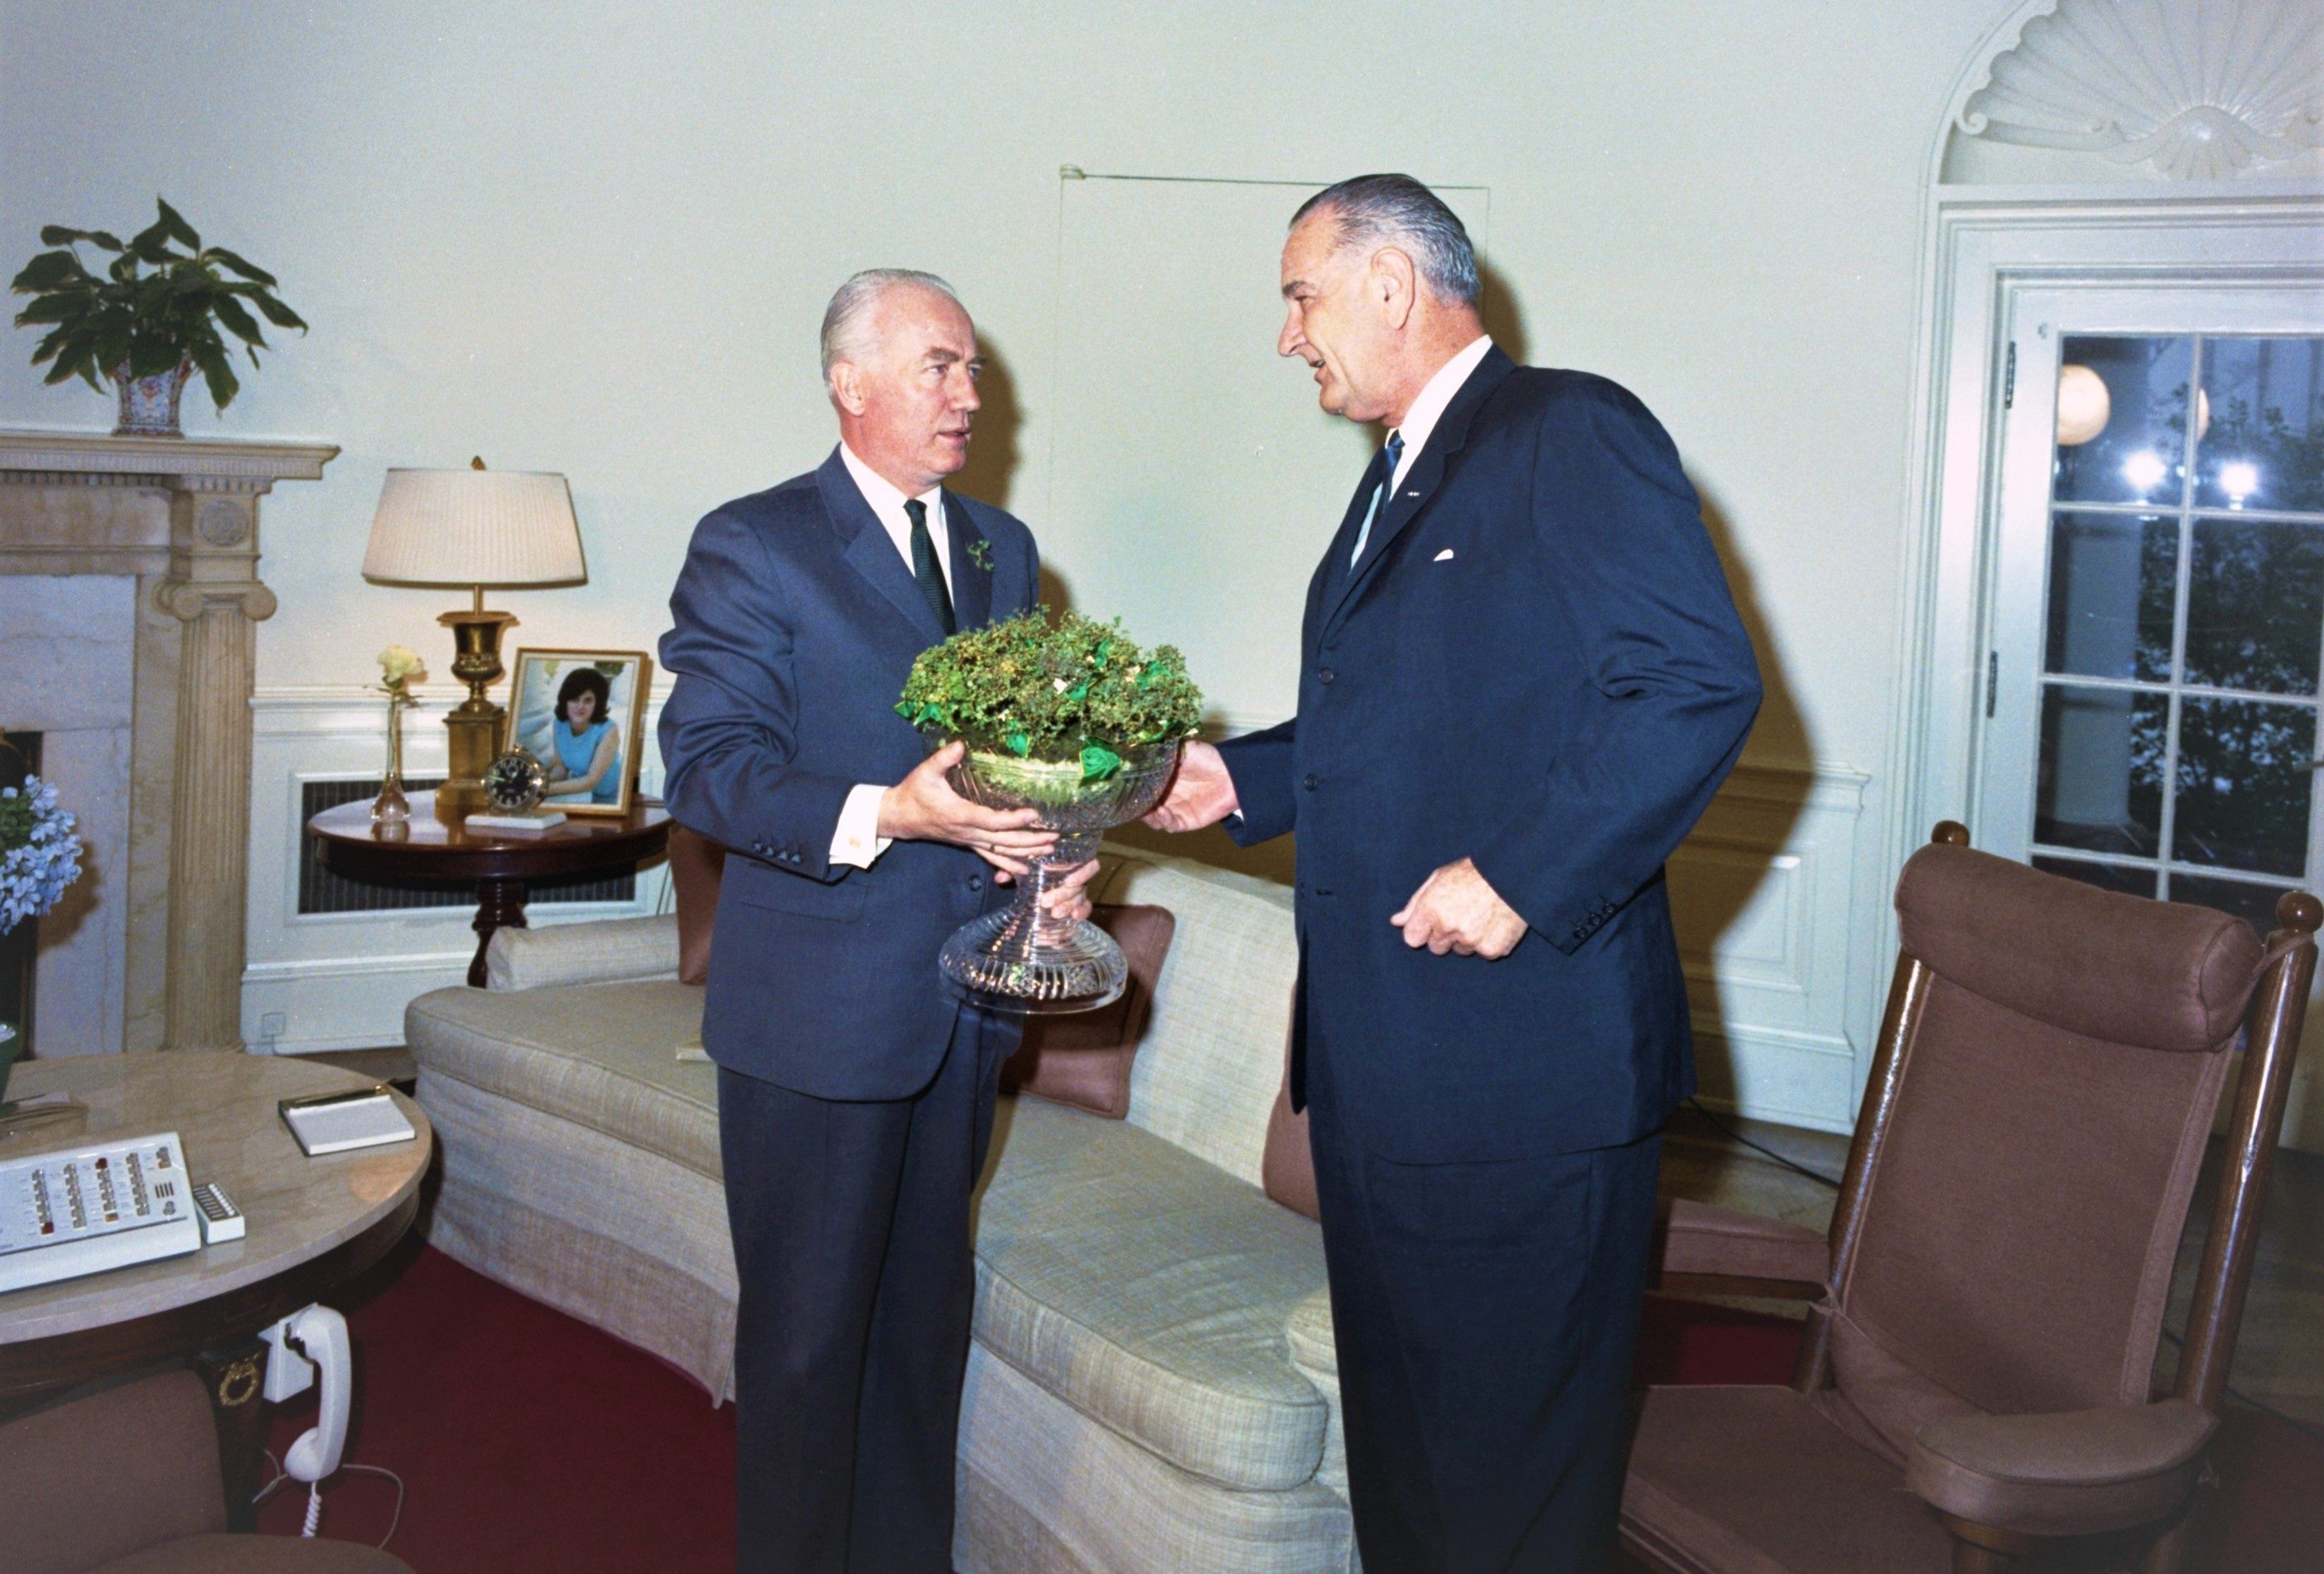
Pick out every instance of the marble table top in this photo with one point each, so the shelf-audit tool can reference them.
(222, 1108)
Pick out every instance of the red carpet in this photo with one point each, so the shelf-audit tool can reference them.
(528, 1442)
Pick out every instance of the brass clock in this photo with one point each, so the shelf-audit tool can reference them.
(514, 781)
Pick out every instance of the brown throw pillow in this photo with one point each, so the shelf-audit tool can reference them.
(1084, 1059)
(697, 864)
(1287, 1165)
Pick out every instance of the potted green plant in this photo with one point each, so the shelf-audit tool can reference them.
(149, 318)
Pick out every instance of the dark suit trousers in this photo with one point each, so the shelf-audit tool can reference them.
(1485, 1316)
(851, 1248)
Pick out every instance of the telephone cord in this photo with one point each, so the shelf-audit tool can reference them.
(314, 1495)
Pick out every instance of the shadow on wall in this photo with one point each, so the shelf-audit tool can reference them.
(1503, 319)
(1704, 914)
(1274, 861)
(992, 445)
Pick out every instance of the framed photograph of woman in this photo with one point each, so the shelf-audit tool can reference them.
(577, 711)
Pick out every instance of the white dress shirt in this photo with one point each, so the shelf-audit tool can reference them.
(887, 508)
(1427, 409)
(856, 839)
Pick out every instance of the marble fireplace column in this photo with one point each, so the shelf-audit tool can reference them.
(213, 589)
(166, 530)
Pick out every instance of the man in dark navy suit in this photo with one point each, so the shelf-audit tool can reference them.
(854, 1095)
(1522, 677)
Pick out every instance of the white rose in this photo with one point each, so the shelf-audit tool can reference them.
(401, 664)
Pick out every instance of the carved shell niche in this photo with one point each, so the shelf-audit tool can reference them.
(2194, 89)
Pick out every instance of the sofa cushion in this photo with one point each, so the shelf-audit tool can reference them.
(1149, 1290)
(2102, 964)
(1082, 1058)
(1288, 1169)
(696, 866)
(601, 1055)
(1207, 1073)
(604, 952)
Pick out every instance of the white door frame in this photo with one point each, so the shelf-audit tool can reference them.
(1987, 253)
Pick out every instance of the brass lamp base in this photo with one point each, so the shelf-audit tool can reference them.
(477, 723)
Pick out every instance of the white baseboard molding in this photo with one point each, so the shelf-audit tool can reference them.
(1793, 1078)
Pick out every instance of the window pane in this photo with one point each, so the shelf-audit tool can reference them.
(2107, 876)
(2112, 578)
(2122, 419)
(2101, 769)
(2243, 785)
(2265, 446)
(2255, 606)
(2253, 904)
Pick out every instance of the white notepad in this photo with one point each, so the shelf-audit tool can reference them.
(340, 1122)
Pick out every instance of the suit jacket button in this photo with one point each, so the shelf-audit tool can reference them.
(1324, 675)
(1309, 781)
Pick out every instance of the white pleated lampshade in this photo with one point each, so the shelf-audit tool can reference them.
(474, 527)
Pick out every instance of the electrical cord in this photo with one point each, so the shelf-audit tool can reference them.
(2240, 1397)
(1813, 1174)
(2237, 1394)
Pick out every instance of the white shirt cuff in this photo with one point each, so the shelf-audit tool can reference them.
(856, 841)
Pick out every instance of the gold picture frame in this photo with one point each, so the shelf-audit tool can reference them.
(544, 686)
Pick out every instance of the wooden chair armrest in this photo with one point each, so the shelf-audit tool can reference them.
(2076, 1473)
(1716, 1250)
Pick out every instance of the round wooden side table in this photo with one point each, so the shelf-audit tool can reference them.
(311, 1226)
(498, 863)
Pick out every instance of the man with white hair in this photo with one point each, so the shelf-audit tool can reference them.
(855, 1095)
(1522, 677)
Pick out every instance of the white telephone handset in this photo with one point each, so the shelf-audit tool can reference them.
(321, 1334)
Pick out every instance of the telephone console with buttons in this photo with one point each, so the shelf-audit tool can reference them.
(83, 1210)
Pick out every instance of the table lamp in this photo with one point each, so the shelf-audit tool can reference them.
(476, 528)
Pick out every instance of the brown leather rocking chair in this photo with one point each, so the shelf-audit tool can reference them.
(1974, 1389)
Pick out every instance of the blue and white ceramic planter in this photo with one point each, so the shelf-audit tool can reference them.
(149, 405)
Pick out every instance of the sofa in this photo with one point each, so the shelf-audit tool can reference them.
(1151, 1382)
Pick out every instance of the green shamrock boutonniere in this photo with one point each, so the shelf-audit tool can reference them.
(980, 552)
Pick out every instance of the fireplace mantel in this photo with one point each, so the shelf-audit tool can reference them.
(148, 718)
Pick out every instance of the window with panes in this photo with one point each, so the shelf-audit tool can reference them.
(2184, 639)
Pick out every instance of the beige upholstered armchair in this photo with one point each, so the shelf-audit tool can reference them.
(1974, 1390)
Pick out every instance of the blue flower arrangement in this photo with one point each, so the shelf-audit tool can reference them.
(40, 851)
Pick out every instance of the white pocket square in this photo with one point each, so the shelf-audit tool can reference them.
(1443, 556)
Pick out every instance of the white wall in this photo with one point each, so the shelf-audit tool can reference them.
(598, 238)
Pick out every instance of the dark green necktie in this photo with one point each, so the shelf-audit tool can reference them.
(924, 565)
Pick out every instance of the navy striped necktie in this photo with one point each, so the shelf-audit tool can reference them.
(1393, 453)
